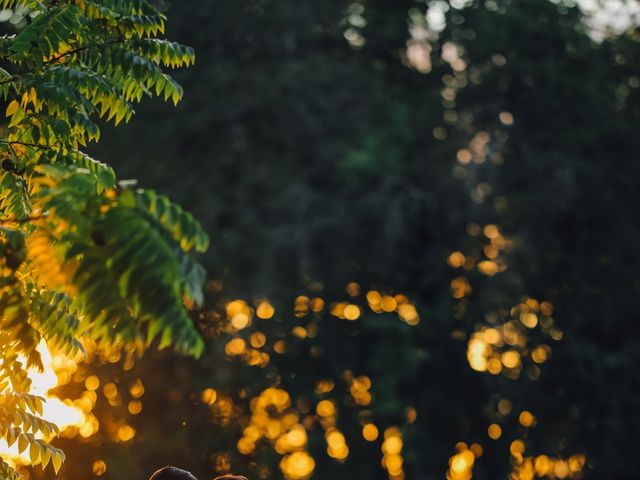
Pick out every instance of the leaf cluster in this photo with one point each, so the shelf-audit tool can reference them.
(83, 257)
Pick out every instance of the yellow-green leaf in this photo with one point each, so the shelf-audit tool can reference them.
(56, 460)
(12, 435)
(23, 443)
(34, 453)
(12, 107)
(46, 456)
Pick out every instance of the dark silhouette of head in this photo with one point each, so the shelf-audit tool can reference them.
(172, 473)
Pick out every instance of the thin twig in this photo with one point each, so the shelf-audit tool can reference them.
(10, 80)
(78, 50)
(26, 144)
(32, 218)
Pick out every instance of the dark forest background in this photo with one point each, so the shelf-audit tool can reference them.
(329, 142)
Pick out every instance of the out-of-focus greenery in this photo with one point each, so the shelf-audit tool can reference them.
(482, 163)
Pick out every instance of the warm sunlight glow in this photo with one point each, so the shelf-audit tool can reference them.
(63, 414)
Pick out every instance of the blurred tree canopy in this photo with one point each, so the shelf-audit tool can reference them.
(476, 156)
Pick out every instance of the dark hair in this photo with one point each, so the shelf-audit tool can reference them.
(172, 473)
